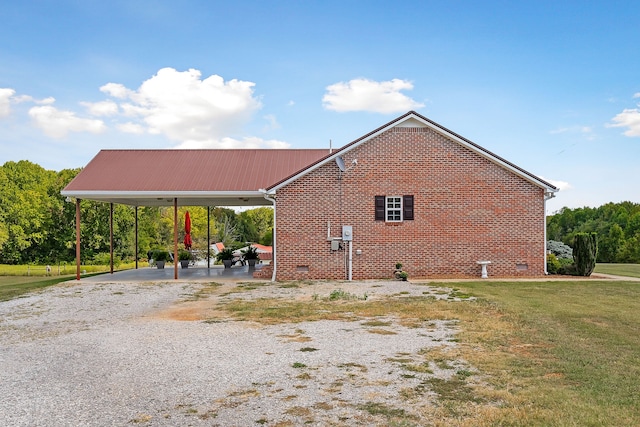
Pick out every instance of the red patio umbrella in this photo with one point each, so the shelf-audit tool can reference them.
(187, 231)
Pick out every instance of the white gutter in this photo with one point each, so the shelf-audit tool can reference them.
(273, 235)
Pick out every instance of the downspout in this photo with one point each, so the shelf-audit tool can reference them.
(273, 247)
(547, 195)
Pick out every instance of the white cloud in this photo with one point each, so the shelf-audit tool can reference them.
(5, 101)
(116, 90)
(181, 106)
(130, 127)
(561, 185)
(587, 131)
(636, 95)
(58, 123)
(103, 108)
(46, 101)
(272, 122)
(19, 99)
(630, 119)
(184, 107)
(368, 95)
(228, 143)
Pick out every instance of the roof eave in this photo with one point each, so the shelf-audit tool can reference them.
(166, 198)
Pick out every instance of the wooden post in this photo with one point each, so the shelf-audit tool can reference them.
(136, 238)
(77, 239)
(208, 236)
(175, 238)
(111, 238)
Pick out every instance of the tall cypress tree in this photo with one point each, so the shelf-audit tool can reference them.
(585, 252)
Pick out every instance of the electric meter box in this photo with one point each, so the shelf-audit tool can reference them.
(347, 233)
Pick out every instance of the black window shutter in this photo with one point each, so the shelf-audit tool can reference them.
(380, 208)
(407, 207)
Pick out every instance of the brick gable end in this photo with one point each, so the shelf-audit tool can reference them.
(466, 208)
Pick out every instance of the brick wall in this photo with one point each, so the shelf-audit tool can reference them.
(466, 209)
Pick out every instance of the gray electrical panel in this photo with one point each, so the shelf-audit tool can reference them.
(347, 233)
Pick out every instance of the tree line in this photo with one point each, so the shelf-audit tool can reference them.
(37, 224)
(617, 226)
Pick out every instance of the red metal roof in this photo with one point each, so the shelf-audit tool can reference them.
(190, 170)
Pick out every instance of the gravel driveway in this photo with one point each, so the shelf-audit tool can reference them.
(114, 354)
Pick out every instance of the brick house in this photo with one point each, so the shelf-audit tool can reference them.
(411, 191)
(416, 193)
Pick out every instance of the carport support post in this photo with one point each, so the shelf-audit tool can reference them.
(136, 237)
(111, 238)
(77, 239)
(208, 236)
(175, 238)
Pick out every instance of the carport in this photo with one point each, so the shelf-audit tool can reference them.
(235, 177)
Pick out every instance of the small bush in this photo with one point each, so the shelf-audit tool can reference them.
(160, 255)
(563, 266)
(559, 249)
(553, 265)
(568, 269)
(225, 254)
(184, 255)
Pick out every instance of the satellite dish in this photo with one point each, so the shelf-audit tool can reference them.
(340, 164)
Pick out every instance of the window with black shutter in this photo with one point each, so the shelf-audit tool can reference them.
(407, 208)
(394, 208)
(380, 208)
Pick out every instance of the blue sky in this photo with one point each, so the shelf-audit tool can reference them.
(553, 87)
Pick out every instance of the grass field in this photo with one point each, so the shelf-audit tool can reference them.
(543, 354)
(56, 270)
(562, 353)
(629, 270)
(16, 280)
(16, 286)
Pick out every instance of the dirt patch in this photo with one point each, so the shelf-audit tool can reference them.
(190, 311)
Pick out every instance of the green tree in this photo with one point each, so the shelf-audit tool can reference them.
(607, 221)
(262, 221)
(585, 252)
(26, 210)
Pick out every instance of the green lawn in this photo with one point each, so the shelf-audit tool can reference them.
(16, 280)
(569, 352)
(629, 270)
(15, 286)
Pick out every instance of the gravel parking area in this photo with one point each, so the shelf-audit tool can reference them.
(115, 354)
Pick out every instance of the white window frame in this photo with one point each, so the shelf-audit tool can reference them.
(393, 213)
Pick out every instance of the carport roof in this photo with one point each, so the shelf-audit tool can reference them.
(194, 177)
